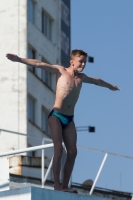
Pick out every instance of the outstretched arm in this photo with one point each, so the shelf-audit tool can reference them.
(34, 63)
(100, 82)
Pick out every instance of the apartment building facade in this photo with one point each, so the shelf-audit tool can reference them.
(32, 29)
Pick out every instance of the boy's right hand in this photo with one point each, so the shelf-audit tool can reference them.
(12, 57)
(113, 87)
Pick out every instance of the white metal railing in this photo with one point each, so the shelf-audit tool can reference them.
(8, 153)
(98, 174)
(32, 149)
(44, 146)
(43, 178)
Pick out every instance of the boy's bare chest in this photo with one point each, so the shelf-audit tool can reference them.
(69, 83)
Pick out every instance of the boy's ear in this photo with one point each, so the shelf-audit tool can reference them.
(71, 62)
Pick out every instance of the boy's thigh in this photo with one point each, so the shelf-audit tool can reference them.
(55, 128)
(70, 135)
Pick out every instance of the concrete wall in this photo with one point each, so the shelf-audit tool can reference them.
(13, 87)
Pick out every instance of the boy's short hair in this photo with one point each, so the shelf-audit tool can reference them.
(77, 53)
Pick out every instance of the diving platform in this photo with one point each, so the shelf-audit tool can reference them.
(36, 193)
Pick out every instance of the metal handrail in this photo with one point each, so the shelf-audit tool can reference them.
(31, 149)
(8, 153)
(82, 147)
(50, 165)
(102, 151)
(51, 145)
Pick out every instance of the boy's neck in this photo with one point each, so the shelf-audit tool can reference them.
(71, 70)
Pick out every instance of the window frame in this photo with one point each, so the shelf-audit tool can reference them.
(47, 74)
(33, 52)
(49, 25)
(31, 109)
(32, 11)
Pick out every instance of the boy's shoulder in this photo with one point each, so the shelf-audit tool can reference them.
(60, 67)
(82, 75)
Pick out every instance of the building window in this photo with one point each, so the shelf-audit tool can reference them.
(46, 25)
(31, 55)
(31, 11)
(31, 109)
(45, 126)
(65, 43)
(46, 76)
(65, 13)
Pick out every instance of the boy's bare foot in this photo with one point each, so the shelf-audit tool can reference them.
(70, 190)
(66, 190)
(59, 189)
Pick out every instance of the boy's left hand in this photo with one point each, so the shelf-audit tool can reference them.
(114, 88)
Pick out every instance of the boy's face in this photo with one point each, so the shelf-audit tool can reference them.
(78, 63)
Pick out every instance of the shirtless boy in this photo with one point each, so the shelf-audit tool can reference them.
(69, 83)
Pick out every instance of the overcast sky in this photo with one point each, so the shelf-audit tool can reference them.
(104, 29)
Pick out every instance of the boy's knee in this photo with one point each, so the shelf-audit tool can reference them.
(72, 153)
(58, 151)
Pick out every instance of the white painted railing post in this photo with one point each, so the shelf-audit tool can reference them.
(48, 170)
(98, 174)
(43, 159)
(43, 164)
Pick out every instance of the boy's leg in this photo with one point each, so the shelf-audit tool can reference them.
(56, 132)
(70, 139)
